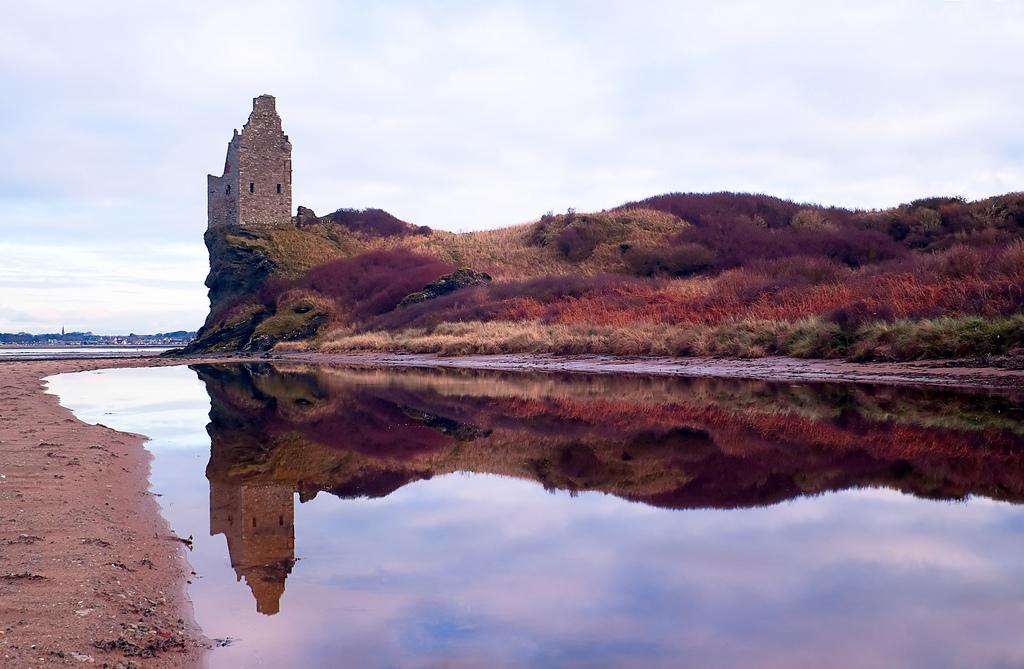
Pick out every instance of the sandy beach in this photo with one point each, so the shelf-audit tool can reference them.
(90, 573)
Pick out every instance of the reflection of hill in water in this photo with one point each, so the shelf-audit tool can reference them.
(675, 443)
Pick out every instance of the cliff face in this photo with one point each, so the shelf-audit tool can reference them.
(244, 265)
(238, 269)
(277, 284)
(238, 265)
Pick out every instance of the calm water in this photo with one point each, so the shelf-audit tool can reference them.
(47, 353)
(424, 519)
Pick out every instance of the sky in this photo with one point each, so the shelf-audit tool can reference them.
(468, 115)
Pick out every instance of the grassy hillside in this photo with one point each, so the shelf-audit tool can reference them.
(678, 274)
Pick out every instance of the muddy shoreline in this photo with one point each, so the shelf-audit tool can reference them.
(926, 372)
(90, 573)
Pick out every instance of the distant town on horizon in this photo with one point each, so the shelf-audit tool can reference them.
(175, 338)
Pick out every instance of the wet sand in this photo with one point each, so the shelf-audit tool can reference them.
(90, 574)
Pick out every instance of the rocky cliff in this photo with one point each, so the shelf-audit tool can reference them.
(275, 285)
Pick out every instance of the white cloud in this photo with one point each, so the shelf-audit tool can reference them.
(110, 288)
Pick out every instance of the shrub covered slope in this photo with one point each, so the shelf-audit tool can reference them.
(680, 274)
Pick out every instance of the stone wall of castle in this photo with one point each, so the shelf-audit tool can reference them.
(255, 191)
(222, 192)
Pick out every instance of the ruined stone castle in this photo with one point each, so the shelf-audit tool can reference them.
(255, 191)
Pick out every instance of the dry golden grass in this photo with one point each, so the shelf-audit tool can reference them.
(505, 253)
(495, 337)
(811, 337)
(510, 337)
(510, 253)
(296, 251)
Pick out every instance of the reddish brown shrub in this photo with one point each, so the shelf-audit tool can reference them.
(710, 208)
(738, 242)
(852, 316)
(678, 260)
(273, 287)
(541, 298)
(374, 223)
(576, 244)
(375, 282)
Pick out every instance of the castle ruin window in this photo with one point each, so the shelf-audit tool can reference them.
(252, 187)
(278, 189)
(228, 191)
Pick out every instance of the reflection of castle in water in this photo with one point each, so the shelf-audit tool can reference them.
(258, 521)
(670, 443)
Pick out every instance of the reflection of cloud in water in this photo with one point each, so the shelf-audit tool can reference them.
(505, 568)
(672, 589)
(165, 403)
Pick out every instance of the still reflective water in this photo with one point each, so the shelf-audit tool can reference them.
(369, 518)
(51, 352)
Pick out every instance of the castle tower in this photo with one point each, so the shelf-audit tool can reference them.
(255, 190)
